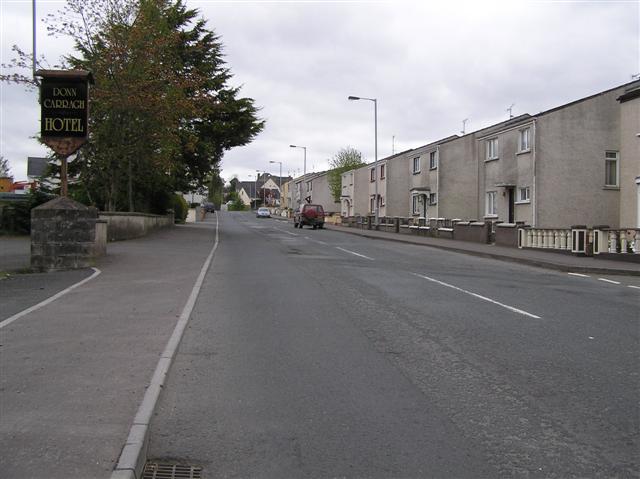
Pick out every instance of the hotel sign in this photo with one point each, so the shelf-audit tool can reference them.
(64, 109)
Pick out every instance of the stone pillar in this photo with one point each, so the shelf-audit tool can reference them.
(63, 235)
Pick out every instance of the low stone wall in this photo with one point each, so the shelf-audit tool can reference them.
(65, 235)
(475, 231)
(125, 225)
(507, 234)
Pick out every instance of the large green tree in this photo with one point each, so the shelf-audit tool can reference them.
(346, 159)
(162, 110)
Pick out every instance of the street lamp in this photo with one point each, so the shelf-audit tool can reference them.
(279, 180)
(255, 187)
(375, 164)
(305, 166)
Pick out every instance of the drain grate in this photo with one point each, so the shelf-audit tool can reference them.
(155, 470)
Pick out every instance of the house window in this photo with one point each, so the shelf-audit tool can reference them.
(491, 209)
(415, 202)
(382, 172)
(372, 172)
(492, 149)
(416, 165)
(523, 140)
(380, 200)
(611, 169)
(433, 160)
(433, 198)
(524, 194)
(309, 186)
(371, 204)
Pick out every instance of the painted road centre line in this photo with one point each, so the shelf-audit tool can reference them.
(354, 253)
(608, 281)
(634, 287)
(50, 300)
(580, 275)
(475, 295)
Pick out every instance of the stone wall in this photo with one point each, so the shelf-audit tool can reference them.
(124, 226)
(63, 235)
(475, 231)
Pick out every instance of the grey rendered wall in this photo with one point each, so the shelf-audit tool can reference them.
(457, 181)
(571, 145)
(511, 168)
(629, 162)
(361, 191)
(321, 194)
(425, 179)
(397, 187)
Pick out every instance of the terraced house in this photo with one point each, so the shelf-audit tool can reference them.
(575, 164)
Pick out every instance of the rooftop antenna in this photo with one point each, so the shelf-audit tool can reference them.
(464, 125)
(510, 110)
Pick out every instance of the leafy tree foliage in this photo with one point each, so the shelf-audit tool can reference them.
(162, 112)
(346, 159)
(4, 166)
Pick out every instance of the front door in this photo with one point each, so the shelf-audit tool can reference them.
(512, 205)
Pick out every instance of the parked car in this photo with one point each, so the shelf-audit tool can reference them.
(312, 215)
(263, 213)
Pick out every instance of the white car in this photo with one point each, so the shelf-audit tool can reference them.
(263, 213)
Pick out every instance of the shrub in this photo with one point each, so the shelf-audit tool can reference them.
(180, 208)
(237, 205)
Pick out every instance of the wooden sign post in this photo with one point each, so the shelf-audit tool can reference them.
(64, 113)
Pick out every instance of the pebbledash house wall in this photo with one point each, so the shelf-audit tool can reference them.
(630, 158)
(456, 179)
(571, 142)
(321, 193)
(397, 185)
(513, 168)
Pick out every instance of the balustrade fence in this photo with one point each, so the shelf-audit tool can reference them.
(582, 240)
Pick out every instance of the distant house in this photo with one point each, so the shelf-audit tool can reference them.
(264, 191)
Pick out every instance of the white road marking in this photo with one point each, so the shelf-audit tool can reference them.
(50, 300)
(484, 298)
(354, 253)
(290, 233)
(608, 281)
(580, 275)
(634, 287)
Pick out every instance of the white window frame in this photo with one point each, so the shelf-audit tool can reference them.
(416, 165)
(372, 175)
(382, 172)
(433, 160)
(492, 149)
(380, 201)
(490, 207)
(524, 133)
(616, 161)
(526, 198)
(433, 199)
(372, 204)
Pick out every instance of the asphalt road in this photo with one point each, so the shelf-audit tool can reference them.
(313, 353)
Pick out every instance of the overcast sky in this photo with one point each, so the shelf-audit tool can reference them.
(429, 64)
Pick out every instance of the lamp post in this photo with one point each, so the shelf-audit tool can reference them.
(304, 171)
(279, 180)
(375, 164)
(255, 187)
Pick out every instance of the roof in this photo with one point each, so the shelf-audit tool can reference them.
(630, 86)
(630, 94)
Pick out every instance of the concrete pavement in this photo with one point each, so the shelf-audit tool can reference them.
(74, 372)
